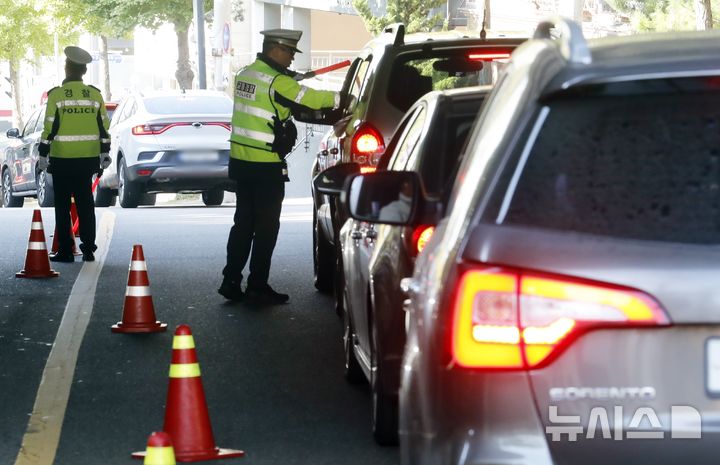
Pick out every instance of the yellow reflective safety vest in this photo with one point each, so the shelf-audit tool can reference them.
(257, 90)
(76, 121)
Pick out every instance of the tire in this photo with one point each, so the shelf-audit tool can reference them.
(45, 194)
(148, 200)
(104, 197)
(352, 371)
(323, 259)
(128, 192)
(213, 197)
(8, 200)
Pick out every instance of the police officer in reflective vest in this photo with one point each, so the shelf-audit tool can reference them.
(266, 96)
(74, 145)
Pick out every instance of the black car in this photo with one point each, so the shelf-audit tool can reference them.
(390, 74)
(21, 176)
(375, 258)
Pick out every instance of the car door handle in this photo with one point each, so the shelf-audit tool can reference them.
(334, 151)
(370, 233)
(356, 234)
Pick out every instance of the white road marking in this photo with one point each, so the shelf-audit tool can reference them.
(40, 442)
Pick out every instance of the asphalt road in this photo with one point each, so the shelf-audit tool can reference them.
(272, 377)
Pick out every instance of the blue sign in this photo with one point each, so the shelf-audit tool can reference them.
(226, 37)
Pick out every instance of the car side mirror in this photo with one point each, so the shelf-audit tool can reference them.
(388, 197)
(332, 180)
(13, 133)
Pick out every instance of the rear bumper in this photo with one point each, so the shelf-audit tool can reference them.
(175, 178)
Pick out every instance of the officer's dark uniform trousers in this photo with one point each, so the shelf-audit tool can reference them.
(260, 192)
(73, 177)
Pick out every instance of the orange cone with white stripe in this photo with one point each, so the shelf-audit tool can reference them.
(37, 262)
(159, 450)
(138, 309)
(186, 415)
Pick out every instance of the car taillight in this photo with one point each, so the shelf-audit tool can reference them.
(521, 320)
(420, 237)
(367, 145)
(159, 128)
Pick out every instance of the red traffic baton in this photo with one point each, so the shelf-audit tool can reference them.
(76, 222)
(326, 69)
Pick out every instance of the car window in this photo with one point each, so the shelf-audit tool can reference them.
(29, 127)
(357, 83)
(189, 104)
(413, 75)
(398, 136)
(441, 157)
(40, 125)
(637, 160)
(408, 141)
(117, 114)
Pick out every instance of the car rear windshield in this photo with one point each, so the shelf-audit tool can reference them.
(413, 76)
(206, 105)
(636, 160)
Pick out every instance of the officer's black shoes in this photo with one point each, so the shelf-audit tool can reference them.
(88, 252)
(264, 295)
(62, 257)
(231, 290)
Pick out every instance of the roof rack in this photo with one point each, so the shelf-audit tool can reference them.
(572, 42)
(398, 29)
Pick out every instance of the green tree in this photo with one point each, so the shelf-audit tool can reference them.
(24, 33)
(667, 15)
(415, 14)
(124, 15)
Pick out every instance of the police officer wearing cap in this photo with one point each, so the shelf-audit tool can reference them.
(266, 96)
(74, 145)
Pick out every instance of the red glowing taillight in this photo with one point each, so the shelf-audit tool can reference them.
(367, 145)
(159, 128)
(420, 237)
(517, 320)
(489, 55)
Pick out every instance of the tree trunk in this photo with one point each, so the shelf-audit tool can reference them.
(703, 15)
(184, 73)
(16, 97)
(486, 16)
(105, 67)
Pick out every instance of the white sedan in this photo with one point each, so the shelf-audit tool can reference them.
(168, 141)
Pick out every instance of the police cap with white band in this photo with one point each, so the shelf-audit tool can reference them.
(77, 55)
(287, 37)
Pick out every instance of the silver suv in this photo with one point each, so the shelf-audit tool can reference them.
(566, 309)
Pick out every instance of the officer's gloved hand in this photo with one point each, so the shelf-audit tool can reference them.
(105, 160)
(43, 149)
(43, 162)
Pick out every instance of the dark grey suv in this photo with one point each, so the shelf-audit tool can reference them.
(566, 310)
(389, 75)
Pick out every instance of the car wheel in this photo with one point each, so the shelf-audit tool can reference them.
(148, 200)
(104, 197)
(213, 197)
(353, 372)
(128, 192)
(323, 259)
(9, 201)
(384, 404)
(45, 193)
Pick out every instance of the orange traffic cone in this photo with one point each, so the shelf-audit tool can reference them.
(74, 219)
(55, 247)
(138, 309)
(186, 416)
(159, 450)
(37, 262)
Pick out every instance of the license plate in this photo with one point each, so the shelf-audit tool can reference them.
(712, 366)
(199, 156)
